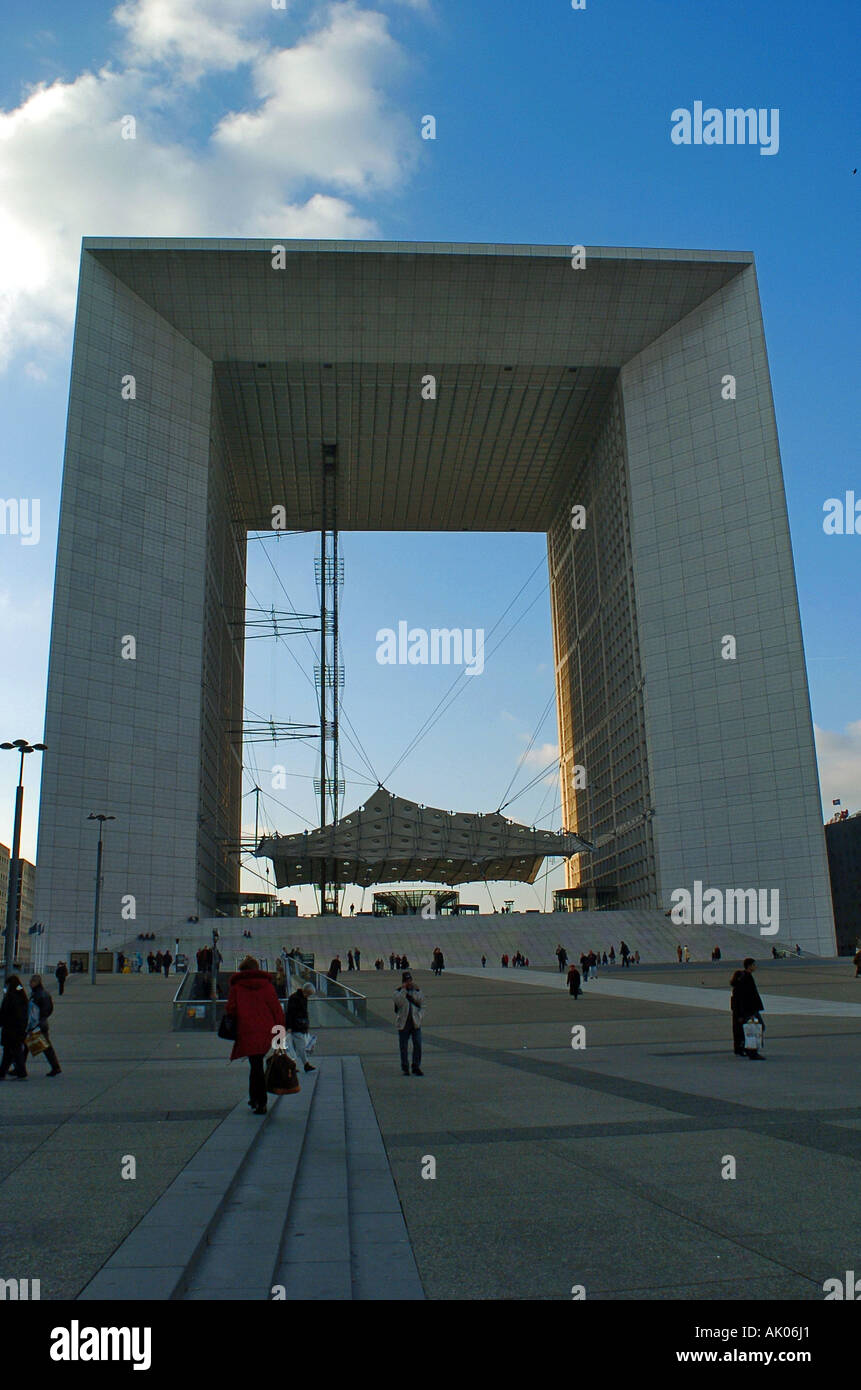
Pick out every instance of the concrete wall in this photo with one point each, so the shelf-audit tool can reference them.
(730, 742)
(124, 736)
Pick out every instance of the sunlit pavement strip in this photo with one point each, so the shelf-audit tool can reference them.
(688, 995)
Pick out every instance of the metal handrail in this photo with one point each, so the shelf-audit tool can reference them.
(330, 991)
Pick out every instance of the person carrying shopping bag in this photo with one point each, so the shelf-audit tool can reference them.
(253, 1004)
(41, 1007)
(747, 1010)
(297, 1023)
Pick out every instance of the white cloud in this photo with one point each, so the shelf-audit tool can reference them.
(545, 758)
(319, 130)
(840, 767)
(180, 31)
(320, 108)
(539, 757)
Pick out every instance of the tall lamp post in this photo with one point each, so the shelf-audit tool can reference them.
(21, 746)
(101, 819)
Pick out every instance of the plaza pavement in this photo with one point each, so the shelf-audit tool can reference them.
(555, 1167)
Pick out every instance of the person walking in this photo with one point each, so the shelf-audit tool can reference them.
(40, 997)
(856, 961)
(357, 956)
(573, 981)
(392, 961)
(746, 1007)
(61, 973)
(612, 955)
(687, 954)
(483, 962)
(297, 1022)
(159, 961)
(351, 964)
(409, 1008)
(334, 968)
(167, 962)
(252, 1001)
(624, 951)
(679, 952)
(13, 1029)
(280, 978)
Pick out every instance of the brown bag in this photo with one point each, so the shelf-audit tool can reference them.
(282, 1076)
(36, 1042)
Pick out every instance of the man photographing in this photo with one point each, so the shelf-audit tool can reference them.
(408, 1016)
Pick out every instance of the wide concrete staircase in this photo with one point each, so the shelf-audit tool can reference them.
(464, 940)
(298, 1205)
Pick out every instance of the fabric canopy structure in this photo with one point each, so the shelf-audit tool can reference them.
(389, 840)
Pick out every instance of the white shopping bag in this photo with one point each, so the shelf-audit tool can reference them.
(753, 1035)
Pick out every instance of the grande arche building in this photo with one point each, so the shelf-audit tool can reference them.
(603, 387)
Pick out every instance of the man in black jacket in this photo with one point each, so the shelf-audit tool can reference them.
(13, 1029)
(297, 1022)
(746, 1005)
(45, 1004)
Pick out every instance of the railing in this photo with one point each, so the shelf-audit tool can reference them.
(333, 1003)
(332, 1006)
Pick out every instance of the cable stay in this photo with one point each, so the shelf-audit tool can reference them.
(528, 749)
(453, 689)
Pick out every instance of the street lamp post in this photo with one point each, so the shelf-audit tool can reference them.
(101, 819)
(21, 746)
(214, 983)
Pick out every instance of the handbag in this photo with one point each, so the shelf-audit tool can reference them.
(282, 1076)
(227, 1027)
(753, 1035)
(36, 1042)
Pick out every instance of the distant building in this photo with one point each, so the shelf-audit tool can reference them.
(411, 902)
(25, 915)
(843, 843)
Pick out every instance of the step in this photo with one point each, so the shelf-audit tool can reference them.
(238, 1260)
(304, 1200)
(383, 1264)
(315, 1257)
(154, 1259)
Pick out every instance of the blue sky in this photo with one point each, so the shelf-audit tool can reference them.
(553, 125)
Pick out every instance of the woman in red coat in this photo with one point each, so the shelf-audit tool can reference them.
(254, 1004)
